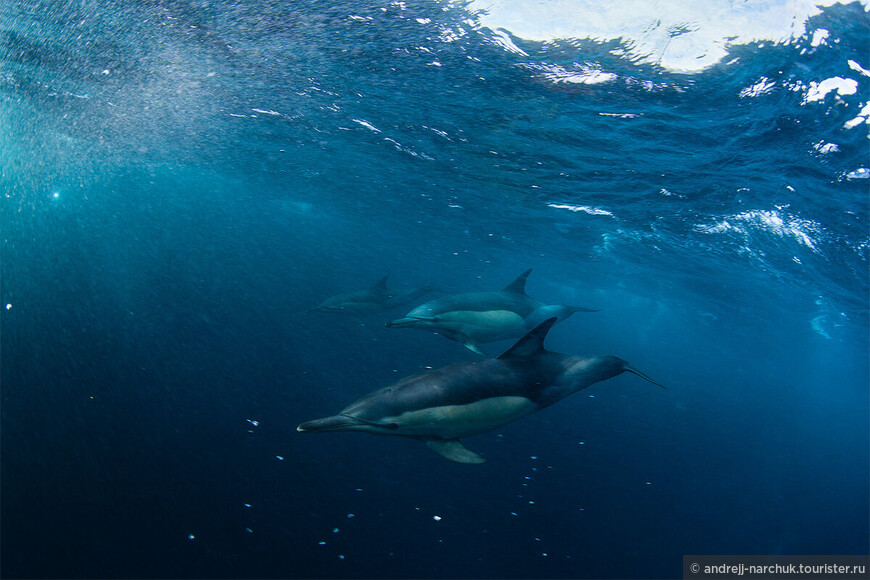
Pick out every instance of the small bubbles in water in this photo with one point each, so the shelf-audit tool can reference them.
(8, 306)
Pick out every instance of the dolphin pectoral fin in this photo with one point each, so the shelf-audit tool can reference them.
(471, 345)
(454, 450)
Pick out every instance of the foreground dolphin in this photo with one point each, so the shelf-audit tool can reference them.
(440, 406)
(477, 317)
(374, 299)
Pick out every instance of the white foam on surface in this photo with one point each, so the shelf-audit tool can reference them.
(581, 208)
(679, 35)
(772, 221)
(818, 91)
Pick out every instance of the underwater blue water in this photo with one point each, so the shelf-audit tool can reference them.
(182, 180)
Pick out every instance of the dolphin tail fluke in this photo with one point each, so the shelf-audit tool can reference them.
(631, 369)
(454, 450)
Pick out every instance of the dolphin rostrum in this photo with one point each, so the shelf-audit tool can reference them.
(374, 299)
(440, 406)
(476, 317)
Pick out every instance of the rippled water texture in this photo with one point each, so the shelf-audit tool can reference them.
(183, 180)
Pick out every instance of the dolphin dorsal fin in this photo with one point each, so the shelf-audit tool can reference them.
(380, 287)
(518, 286)
(532, 343)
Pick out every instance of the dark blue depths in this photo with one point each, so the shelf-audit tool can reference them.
(184, 180)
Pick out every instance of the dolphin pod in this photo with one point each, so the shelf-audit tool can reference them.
(374, 299)
(475, 317)
(441, 406)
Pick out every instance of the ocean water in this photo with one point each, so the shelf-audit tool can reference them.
(183, 179)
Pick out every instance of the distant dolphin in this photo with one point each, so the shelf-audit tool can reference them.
(440, 406)
(374, 299)
(477, 317)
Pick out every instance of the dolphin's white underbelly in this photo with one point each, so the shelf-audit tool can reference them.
(455, 421)
(485, 325)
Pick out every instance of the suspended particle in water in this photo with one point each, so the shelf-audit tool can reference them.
(191, 537)
(321, 543)
(341, 556)
(335, 530)
(436, 518)
(351, 515)
(279, 458)
(249, 530)
(8, 306)
(513, 513)
(247, 505)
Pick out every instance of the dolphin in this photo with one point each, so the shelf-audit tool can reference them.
(441, 406)
(476, 317)
(374, 299)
